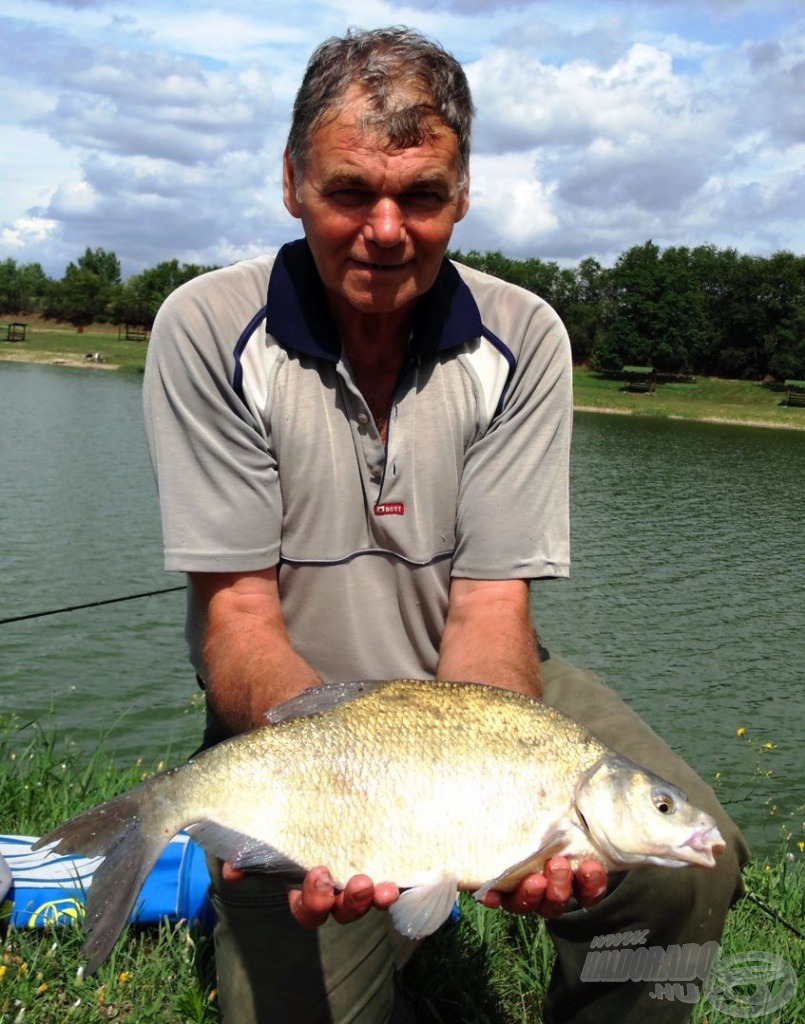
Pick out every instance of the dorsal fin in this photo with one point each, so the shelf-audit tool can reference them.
(323, 698)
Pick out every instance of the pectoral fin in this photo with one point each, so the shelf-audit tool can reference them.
(242, 851)
(420, 910)
(552, 846)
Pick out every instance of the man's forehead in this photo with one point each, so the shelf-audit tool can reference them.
(345, 148)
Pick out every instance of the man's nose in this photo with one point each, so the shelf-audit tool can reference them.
(386, 224)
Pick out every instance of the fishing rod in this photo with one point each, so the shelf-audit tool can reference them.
(89, 604)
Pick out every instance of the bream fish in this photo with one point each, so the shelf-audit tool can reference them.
(436, 786)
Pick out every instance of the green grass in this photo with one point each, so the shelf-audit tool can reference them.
(162, 974)
(52, 343)
(489, 968)
(701, 398)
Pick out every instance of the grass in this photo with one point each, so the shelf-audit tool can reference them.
(489, 968)
(701, 398)
(60, 343)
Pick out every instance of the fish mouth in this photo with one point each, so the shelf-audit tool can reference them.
(704, 845)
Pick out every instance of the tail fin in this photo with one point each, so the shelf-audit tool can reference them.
(124, 834)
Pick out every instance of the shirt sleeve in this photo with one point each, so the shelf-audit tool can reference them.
(217, 478)
(513, 519)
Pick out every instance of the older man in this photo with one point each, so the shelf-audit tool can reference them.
(361, 451)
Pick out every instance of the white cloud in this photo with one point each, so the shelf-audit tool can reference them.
(156, 129)
(26, 230)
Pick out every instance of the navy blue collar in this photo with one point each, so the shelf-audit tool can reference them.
(298, 316)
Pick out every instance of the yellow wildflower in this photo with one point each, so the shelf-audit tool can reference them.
(23, 969)
(123, 977)
(768, 746)
(3, 967)
(741, 731)
(42, 988)
(801, 845)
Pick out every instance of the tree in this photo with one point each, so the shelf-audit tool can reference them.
(142, 295)
(88, 288)
(22, 287)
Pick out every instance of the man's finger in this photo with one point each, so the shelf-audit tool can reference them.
(311, 905)
(560, 881)
(527, 897)
(230, 874)
(355, 900)
(590, 883)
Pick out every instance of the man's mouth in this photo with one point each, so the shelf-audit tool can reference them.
(372, 265)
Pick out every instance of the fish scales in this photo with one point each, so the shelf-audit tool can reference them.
(436, 786)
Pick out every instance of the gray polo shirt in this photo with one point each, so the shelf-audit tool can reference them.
(265, 453)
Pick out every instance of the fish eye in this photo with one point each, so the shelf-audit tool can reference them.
(664, 802)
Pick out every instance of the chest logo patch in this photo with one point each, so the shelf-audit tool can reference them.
(390, 508)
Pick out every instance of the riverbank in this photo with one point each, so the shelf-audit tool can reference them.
(705, 399)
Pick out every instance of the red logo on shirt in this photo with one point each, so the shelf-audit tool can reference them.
(390, 508)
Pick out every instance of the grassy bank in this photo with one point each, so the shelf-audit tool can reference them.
(62, 344)
(490, 968)
(701, 398)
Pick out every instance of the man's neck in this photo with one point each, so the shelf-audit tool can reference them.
(375, 345)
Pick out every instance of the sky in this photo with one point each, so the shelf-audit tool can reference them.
(155, 128)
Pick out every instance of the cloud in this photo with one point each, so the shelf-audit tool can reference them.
(156, 129)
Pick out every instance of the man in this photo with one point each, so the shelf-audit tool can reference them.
(361, 451)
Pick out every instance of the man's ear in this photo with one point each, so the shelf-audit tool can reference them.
(289, 185)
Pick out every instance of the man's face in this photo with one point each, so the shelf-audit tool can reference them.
(378, 220)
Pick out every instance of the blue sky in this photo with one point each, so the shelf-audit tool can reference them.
(155, 128)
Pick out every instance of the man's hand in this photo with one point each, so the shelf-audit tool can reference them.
(317, 899)
(548, 894)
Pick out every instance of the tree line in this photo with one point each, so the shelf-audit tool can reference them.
(700, 310)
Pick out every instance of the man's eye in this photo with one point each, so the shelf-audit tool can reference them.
(422, 197)
(349, 196)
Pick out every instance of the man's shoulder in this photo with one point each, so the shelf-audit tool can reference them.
(247, 279)
(505, 308)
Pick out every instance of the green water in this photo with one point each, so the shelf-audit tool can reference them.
(686, 595)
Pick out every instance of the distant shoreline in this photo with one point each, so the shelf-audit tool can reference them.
(609, 411)
(131, 357)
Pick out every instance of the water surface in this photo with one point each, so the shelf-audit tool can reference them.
(686, 594)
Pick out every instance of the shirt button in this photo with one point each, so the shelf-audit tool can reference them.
(363, 419)
(376, 472)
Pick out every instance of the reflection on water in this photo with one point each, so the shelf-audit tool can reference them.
(686, 592)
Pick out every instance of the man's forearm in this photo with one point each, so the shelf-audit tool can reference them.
(250, 663)
(488, 636)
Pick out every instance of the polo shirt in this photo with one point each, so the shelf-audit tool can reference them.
(265, 453)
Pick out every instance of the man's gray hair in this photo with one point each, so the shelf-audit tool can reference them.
(410, 81)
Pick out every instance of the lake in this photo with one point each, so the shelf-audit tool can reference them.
(686, 594)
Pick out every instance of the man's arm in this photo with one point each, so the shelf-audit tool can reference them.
(251, 665)
(488, 638)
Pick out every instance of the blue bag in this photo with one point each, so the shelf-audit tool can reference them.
(47, 889)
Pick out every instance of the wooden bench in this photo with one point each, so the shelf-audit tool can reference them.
(132, 332)
(639, 378)
(796, 392)
(15, 332)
